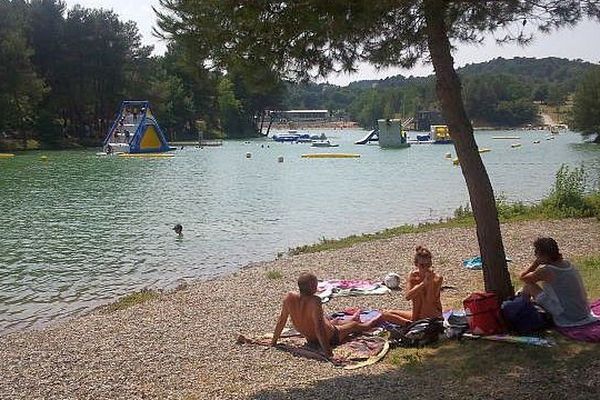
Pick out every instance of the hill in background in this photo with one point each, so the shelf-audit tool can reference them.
(499, 92)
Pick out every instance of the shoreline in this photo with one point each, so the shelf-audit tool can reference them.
(36, 145)
(182, 343)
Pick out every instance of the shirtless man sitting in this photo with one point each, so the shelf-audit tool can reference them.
(307, 316)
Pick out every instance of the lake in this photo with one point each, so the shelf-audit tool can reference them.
(79, 230)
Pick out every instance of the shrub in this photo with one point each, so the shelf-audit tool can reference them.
(274, 274)
(567, 198)
(463, 212)
(131, 300)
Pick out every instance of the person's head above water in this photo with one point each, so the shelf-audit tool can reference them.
(307, 284)
(178, 229)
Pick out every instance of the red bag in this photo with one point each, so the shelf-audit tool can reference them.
(483, 314)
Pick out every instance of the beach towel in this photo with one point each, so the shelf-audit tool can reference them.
(359, 352)
(475, 263)
(529, 340)
(586, 333)
(348, 313)
(349, 287)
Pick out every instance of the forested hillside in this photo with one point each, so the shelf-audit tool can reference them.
(64, 72)
(498, 92)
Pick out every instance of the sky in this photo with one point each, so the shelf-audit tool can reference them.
(579, 42)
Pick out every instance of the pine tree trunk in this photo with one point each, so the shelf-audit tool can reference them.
(448, 89)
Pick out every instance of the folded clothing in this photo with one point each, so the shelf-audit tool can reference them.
(475, 263)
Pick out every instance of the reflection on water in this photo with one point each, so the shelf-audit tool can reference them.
(80, 230)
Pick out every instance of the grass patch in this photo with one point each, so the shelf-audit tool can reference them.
(274, 274)
(131, 300)
(567, 199)
(475, 359)
(482, 360)
(589, 268)
(330, 244)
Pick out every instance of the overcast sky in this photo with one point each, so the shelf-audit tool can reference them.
(580, 42)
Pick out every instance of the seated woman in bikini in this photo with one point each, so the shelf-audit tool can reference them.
(423, 288)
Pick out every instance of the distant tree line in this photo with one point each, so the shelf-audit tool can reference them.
(64, 72)
(499, 92)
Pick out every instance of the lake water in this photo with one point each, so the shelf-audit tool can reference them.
(80, 230)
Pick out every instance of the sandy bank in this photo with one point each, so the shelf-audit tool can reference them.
(182, 345)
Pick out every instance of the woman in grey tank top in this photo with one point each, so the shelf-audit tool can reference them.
(561, 293)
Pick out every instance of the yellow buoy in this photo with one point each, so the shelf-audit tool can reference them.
(455, 161)
(331, 155)
(44, 158)
(6, 155)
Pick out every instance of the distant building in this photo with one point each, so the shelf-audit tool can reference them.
(304, 115)
(424, 120)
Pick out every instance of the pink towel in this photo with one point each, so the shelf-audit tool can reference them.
(585, 333)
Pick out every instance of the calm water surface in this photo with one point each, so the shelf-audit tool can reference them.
(80, 230)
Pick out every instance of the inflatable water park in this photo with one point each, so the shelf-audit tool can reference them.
(394, 136)
(135, 131)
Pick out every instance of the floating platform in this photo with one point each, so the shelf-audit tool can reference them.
(484, 150)
(6, 155)
(146, 155)
(210, 143)
(331, 155)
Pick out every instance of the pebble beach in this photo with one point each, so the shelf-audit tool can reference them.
(182, 344)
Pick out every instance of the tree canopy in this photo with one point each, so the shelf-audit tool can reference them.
(64, 72)
(586, 106)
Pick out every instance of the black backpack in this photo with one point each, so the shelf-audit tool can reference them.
(418, 334)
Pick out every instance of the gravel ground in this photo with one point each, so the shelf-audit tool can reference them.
(181, 345)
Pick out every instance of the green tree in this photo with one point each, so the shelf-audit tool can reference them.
(21, 89)
(234, 120)
(312, 35)
(199, 83)
(258, 88)
(586, 105)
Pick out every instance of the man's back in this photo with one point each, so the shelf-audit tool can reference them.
(306, 313)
